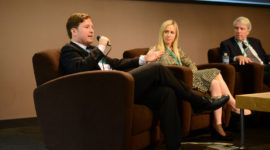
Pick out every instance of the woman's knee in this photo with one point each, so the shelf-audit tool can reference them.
(214, 86)
(218, 77)
(214, 83)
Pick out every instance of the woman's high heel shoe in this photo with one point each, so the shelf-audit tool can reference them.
(218, 136)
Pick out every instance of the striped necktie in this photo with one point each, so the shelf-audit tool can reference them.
(249, 53)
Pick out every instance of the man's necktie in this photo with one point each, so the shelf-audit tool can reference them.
(88, 48)
(249, 54)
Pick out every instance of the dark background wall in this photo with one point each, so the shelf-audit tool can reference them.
(29, 26)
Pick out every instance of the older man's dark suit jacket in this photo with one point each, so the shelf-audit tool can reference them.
(230, 47)
(75, 59)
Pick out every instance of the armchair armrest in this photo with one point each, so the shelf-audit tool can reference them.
(182, 73)
(253, 73)
(90, 107)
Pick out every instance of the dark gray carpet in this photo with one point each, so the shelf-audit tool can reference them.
(24, 134)
(21, 138)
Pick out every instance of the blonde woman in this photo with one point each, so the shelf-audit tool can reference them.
(203, 80)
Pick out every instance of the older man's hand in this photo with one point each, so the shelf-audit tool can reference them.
(243, 60)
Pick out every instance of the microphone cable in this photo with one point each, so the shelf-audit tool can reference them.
(103, 61)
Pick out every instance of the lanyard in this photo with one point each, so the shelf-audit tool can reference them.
(174, 57)
(243, 53)
(103, 61)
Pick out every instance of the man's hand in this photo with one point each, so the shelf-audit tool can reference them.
(153, 55)
(103, 41)
(243, 60)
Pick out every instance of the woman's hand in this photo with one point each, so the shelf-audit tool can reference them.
(153, 55)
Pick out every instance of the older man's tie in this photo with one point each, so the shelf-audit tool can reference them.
(249, 54)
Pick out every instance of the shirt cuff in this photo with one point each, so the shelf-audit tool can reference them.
(142, 60)
(101, 47)
(234, 58)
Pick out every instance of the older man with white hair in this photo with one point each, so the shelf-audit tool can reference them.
(243, 49)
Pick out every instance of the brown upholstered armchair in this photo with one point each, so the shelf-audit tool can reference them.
(249, 77)
(190, 120)
(89, 110)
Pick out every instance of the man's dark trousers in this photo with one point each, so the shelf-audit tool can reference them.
(157, 87)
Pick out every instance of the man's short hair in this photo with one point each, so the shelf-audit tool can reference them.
(74, 20)
(243, 20)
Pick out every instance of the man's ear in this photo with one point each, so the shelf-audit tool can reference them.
(248, 32)
(73, 31)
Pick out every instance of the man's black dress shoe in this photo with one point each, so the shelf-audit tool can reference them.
(209, 103)
(213, 103)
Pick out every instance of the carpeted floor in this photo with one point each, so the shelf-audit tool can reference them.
(21, 138)
(256, 138)
(24, 134)
(21, 134)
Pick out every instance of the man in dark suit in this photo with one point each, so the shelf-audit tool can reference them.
(243, 49)
(155, 85)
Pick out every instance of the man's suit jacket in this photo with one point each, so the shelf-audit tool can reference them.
(230, 47)
(75, 59)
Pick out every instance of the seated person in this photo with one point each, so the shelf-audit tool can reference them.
(155, 85)
(240, 48)
(203, 80)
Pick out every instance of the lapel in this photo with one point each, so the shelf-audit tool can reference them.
(256, 46)
(253, 44)
(235, 46)
(95, 54)
(78, 48)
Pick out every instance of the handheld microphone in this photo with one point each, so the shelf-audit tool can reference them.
(108, 44)
(98, 37)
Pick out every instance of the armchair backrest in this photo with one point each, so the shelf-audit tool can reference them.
(135, 52)
(214, 55)
(46, 65)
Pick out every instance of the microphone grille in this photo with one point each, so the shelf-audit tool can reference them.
(98, 37)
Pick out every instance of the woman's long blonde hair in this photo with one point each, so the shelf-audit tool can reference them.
(161, 46)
